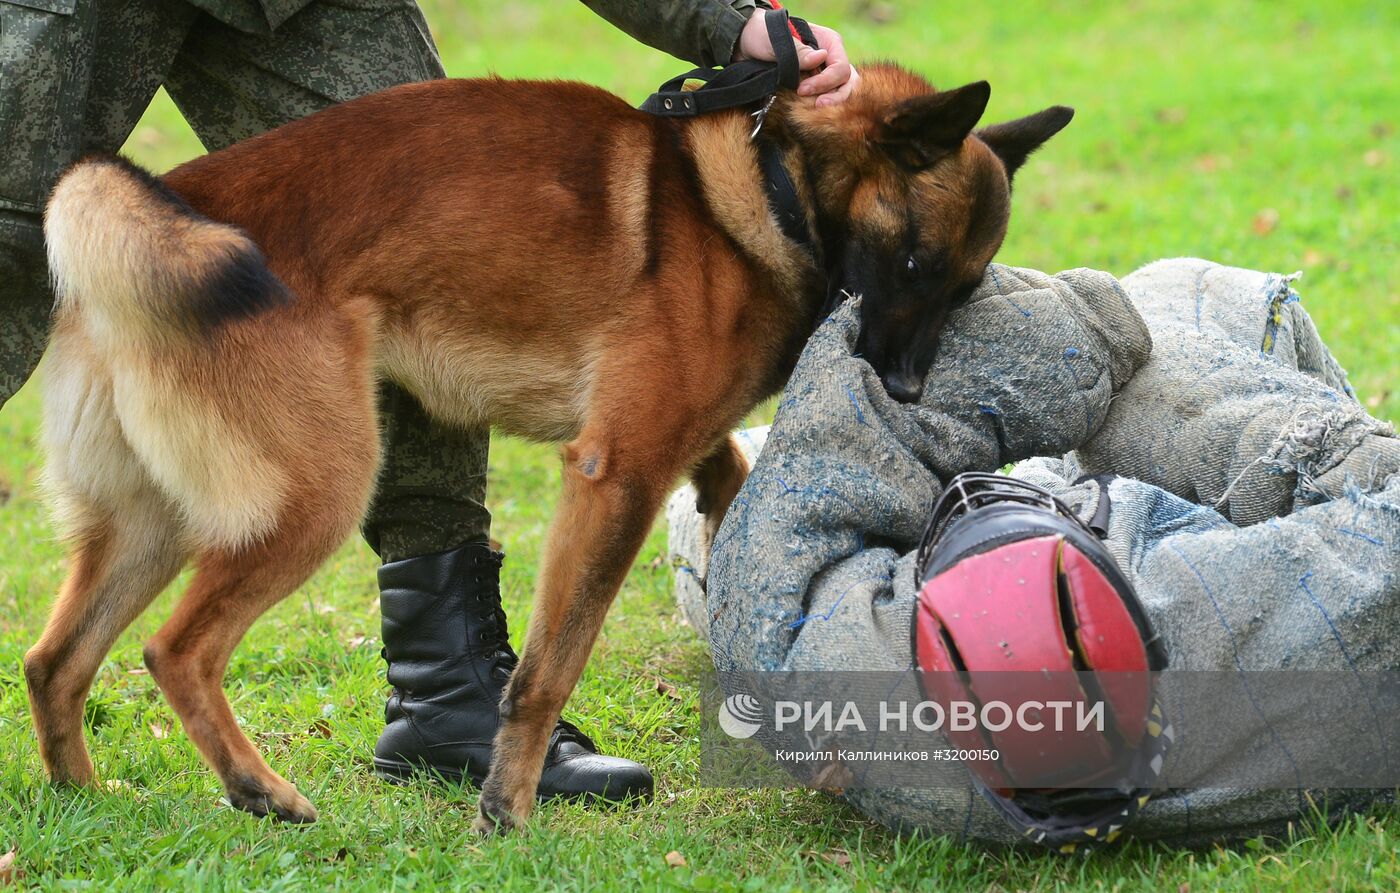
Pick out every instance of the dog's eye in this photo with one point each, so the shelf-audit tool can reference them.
(911, 267)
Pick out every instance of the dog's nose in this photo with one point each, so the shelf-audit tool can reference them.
(903, 386)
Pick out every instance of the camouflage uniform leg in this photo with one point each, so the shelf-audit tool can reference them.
(75, 76)
(43, 73)
(230, 85)
(25, 302)
(432, 489)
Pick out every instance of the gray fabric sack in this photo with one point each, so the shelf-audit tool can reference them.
(1239, 406)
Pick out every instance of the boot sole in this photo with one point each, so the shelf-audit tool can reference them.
(403, 773)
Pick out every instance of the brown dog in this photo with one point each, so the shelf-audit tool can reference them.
(539, 257)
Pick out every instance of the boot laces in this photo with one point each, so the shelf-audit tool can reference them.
(494, 634)
(495, 638)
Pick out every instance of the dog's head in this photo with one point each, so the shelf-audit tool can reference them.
(927, 199)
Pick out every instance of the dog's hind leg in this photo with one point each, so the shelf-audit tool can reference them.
(231, 588)
(120, 562)
(189, 654)
(334, 459)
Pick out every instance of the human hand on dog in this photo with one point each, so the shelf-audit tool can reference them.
(831, 85)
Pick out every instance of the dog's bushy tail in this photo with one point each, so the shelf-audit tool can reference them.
(141, 398)
(137, 263)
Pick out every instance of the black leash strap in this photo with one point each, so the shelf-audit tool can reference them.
(739, 84)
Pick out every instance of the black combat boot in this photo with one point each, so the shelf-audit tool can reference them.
(449, 660)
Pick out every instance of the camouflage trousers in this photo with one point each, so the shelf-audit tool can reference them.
(75, 76)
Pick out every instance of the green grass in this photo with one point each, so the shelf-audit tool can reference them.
(1195, 120)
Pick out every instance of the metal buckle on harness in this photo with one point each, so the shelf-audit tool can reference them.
(760, 116)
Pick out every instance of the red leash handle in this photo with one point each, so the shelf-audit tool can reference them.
(791, 27)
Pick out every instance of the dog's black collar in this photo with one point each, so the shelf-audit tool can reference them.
(782, 197)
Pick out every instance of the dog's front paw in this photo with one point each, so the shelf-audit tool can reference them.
(264, 798)
(494, 817)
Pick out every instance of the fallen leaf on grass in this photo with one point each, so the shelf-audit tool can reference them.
(1266, 221)
(138, 671)
(832, 777)
(1174, 114)
(320, 728)
(1208, 164)
(665, 688)
(160, 730)
(839, 858)
(1374, 158)
(118, 786)
(9, 874)
(675, 859)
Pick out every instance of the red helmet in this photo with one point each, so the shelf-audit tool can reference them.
(1022, 608)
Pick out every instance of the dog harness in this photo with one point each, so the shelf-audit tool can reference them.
(745, 83)
(740, 83)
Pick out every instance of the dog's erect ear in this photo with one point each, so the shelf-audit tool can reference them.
(1015, 140)
(919, 131)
